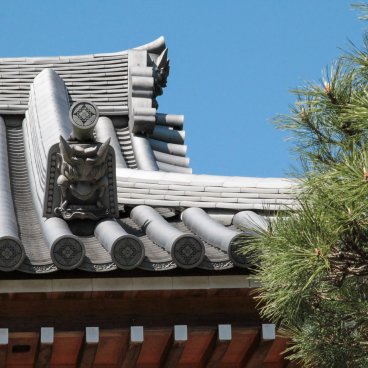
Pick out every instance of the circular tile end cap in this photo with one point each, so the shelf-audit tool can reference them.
(84, 114)
(67, 252)
(235, 253)
(11, 253)
(127, 252)
(188, 251)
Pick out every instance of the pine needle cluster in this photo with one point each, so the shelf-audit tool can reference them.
(313, 263)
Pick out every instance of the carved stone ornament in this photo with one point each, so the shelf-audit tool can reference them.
(161, 69)
(67, 252)
(188, 251)
(84, 170)
(83, 180)
(11, 254)
(127, 253)
(84, 116)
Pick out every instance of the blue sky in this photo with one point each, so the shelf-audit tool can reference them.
(232, 62)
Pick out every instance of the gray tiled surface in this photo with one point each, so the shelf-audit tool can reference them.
(37, 253)
(156, 257)
(102, 79)
(215, 258)
(8, 221)
(126, 147)
(97, 258)
(205, 191)
(46, 119)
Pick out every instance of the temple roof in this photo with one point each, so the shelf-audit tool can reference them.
(168, 217)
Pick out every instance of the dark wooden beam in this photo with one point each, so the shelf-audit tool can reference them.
(3, 355)
(66, 349)
(111, 349)
(242, 346)
(44, 356)
(155, 348)
(131, 355)
(259, 354)
(218, 353)
(4, 341)
(174, 354)
(22, 349)
(275, 357)
(88, 356)
(198, 348)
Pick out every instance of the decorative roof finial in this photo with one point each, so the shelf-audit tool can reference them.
(86, 169)
(84, 116)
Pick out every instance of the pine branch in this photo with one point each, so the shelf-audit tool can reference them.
(313, 265)
(363, 8)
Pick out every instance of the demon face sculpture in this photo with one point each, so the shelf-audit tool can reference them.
(83, 179)
(161, 69)
(84, 170)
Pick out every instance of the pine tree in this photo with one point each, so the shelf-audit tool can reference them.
(313, 263)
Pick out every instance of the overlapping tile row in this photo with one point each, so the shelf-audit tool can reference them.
(11, 249)
(101, 78)
(167, 244)
(157, 139)
(141, 107)
(37, 258)
(139, 347)
(126, 147)
(178, 190)
(168, 144)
